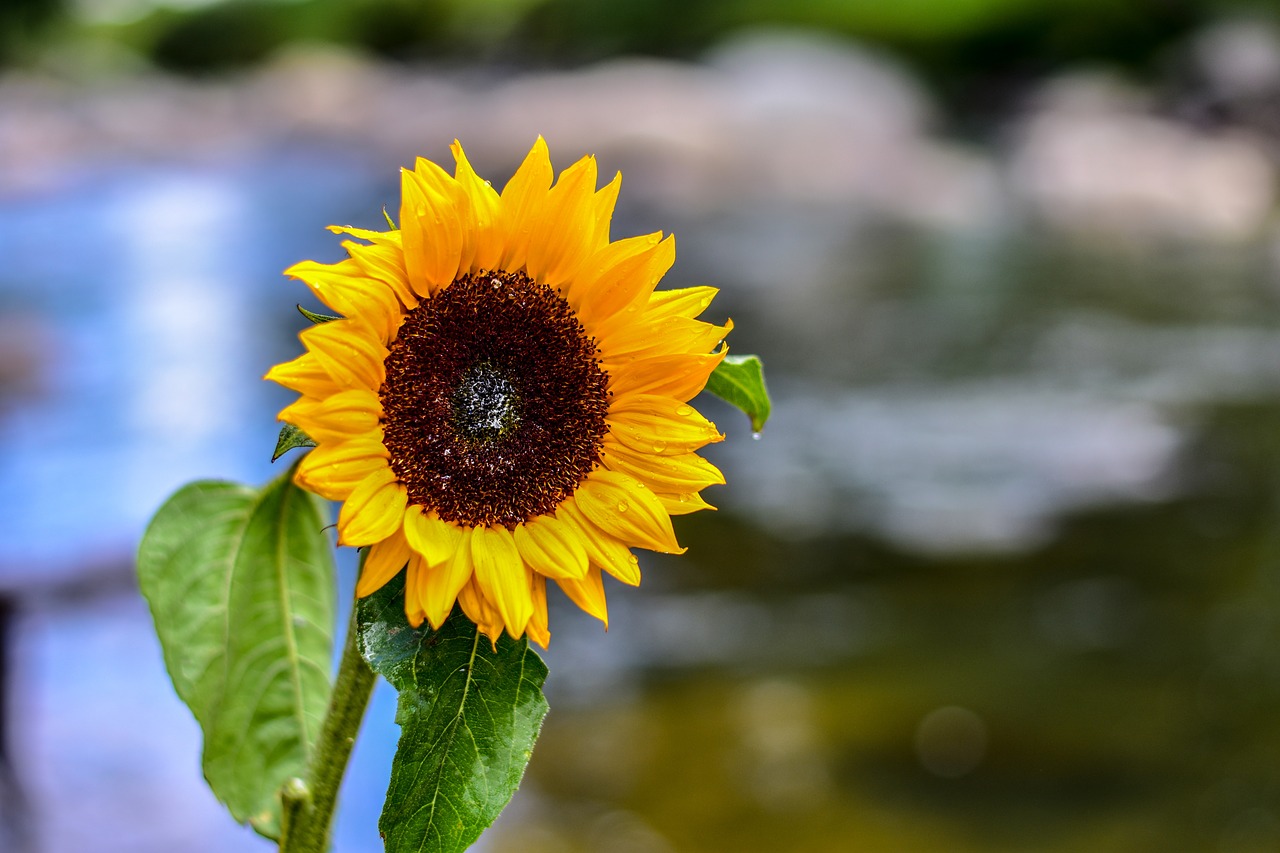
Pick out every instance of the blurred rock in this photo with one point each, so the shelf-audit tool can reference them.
(1091, 159)
(784, 116)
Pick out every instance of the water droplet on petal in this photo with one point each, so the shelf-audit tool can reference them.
(659, 446)
(684, 410)
(622, 507)
(422, 210)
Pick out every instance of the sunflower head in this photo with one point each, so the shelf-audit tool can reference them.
(504, 399)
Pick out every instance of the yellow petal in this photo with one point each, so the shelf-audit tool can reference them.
(537, 628)
(349, 414)
(686, 302)
(603, 550)
(603, 203)
(661, 425)
(562, 235)
(442, 183)
(412, 606)
(304, 375)
(334, 468)
(635, 340)
(383, 562)
(681, 376)
(440, 583)
(551, 548)
(434, 539)
(359, 233)
(683, 504)
(349, 351)
(384, 260)
(627, 511)
(626, 286)
(606, 261)
(502, 576)
(588, 594)
(481, 611)
(432, 234)
(485, 213)
(673, 474)
(346, 289)
(374, 511)
(522, 200)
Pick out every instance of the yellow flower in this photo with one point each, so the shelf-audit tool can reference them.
(504, 400)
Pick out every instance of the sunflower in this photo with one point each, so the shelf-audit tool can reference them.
(503, 400)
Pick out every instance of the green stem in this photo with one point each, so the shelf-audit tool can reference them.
(308, 805)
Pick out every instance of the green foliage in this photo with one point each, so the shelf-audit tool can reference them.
(469, 714)
(240, 584)
(290, 437)
(316, 317)
(739, 381)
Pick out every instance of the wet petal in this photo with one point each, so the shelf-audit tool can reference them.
(551, 548)
(681, 376)
(626, 285)
(626, 510)
(661, 425)
(603, 550)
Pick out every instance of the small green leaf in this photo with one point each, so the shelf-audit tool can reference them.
(739, 381)
(387, 216)
(316, 318)
(241, 587)
(468, 715)
(290, 437)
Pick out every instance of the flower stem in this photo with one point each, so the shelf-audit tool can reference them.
(308, 805)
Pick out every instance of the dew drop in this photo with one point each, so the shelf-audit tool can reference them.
(659, 446)
(422, 210)
(622, 507)
(684, 410)
(755, 436)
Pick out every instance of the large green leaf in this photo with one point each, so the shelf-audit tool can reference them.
(739, 381)
(468, 716)
(241, 587)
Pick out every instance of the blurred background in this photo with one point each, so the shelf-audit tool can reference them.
(1001, 574)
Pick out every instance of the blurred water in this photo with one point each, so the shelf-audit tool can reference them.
(1001, 574)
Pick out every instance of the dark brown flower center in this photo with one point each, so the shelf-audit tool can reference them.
(494, 402)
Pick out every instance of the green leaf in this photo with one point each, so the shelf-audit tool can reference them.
(739, 381)
(468, 715)
(290, 437)
(316, 318)
(241, 587)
